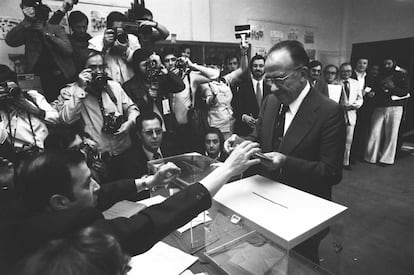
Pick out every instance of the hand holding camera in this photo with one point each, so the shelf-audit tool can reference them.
(84, 77)
(29, 13)
(124, 128)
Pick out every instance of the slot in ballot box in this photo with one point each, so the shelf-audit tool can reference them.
(258, 222)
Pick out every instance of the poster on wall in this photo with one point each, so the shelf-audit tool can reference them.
(311, 53)
(276, 36)
(6, 24)
(257, 33)
(98, 21)
(309, 37)
(293, 34)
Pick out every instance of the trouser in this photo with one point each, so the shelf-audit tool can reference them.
(310, 247)
(385, 127)
(348, 143)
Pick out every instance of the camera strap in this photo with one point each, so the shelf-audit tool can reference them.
(13, 135)
(191, 90)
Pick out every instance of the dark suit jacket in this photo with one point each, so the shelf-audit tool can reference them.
(141, 158)
(58, 46)
(321, 87)
(245, 102)
(314, 143)
(137, 90)
(22, 231)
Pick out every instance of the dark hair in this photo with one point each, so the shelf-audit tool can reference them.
(214, 130)
(344, 64)
(331, 66)
(315, 63)
(183, 47)
(45, 175)
(146, 116)
(256, 57)
(113, 17)
(89, 252)
(296, 50)
(59, 138)
(6, 74)
(139, 56)
(77, 16)
(167, 51)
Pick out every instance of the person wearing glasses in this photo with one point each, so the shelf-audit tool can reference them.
(148, 127)
(107, 113)
(300, 130)
(315, 79)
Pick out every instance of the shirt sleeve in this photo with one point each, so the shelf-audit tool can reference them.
(51, 114)
(71, 100)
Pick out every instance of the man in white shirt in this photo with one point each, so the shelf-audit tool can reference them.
(117, 47)
(23, 117)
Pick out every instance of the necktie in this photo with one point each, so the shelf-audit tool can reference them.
(259, 94)
(279, 127)
(156, 155)
(346, 87)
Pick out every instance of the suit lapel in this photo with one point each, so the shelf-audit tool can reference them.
(302, 123)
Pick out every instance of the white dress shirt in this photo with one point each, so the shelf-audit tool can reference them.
(294, 106)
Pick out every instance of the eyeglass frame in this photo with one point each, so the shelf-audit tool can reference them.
(151, 132)
(280, 80)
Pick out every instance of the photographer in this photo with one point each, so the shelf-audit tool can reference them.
(48, 50)
(23, 118)
(117, 47)
(149, 31)
(107, 112)
(151, 86)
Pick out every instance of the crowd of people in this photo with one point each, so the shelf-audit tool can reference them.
(110, 103)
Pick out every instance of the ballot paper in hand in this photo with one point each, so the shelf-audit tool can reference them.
(335, 92)
(161, 259)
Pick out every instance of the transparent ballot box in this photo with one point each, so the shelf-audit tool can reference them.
(194, 167)
(257, 223)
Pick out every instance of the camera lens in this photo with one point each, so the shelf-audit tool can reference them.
(122, 37)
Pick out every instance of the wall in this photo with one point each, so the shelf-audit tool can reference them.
(374, 20)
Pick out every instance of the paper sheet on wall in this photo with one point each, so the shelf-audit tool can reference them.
(6, 24)
(335, 92)
(161, 259)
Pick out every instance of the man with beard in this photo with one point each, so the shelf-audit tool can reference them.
(78, 23)
(315, 80)
(247, 101)
(386, 118)
(108, 115)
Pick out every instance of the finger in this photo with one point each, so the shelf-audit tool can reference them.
(252, 162)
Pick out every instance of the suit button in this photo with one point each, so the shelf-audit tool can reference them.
(199, 197)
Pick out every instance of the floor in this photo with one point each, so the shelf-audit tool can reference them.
(378, 228)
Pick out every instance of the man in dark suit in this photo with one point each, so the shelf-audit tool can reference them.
(149, 130)
(306, 144)
(246, 102)
(315, 80)
(62, 198)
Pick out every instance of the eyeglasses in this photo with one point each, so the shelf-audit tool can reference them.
(173, 59)
(330, 72)
(280, 80)
(151, 132)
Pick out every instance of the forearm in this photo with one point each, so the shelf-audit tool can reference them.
(162, 30)
(70, 107)
(210, 73)
(111, 193)
(216, 179)
(16, 36)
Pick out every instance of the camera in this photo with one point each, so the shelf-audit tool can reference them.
(111, 123)
(41, 11)
(10, 90)
(181, 64)
(152, 71)
(98, 83)
(121, 36)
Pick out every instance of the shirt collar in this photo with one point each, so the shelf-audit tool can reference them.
(294, 105)
(150, 154)
(360, 75)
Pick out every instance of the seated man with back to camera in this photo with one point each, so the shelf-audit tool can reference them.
(60, 198)
(107, 112)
